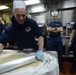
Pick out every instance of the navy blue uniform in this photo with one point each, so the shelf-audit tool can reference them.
(23, 35)
(55, 41)
(74, 43)
(1, 28)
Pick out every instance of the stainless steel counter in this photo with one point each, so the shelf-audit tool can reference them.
(20, 63)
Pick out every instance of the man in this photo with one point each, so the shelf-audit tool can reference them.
(55, 40)
(23, 31)
(72, 44)
(2, 28)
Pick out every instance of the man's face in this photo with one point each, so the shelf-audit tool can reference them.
(55, 18)
(20, 15)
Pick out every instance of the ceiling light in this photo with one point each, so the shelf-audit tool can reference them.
(2, 7)
(31, 2)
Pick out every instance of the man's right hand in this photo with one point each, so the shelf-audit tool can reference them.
(69, 44)
(40, 55)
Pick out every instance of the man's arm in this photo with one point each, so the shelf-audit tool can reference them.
(50, 29)
(59, 29)
(40, 54)
(40, 42)
(1, 47)
(71, 38)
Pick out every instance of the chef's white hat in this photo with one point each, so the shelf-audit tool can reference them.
(19, 4)
(54, 13)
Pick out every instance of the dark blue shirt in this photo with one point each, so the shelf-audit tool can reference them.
(55, 25)
(23, 35)
(1, 28)
(74, 27)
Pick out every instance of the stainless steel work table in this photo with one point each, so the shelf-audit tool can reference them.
(20, 63)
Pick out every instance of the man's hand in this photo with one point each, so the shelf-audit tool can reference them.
(7, 45)
(40, 55)
(69, 44)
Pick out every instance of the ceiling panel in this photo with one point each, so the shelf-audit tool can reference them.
(51, 1)
(44, 1)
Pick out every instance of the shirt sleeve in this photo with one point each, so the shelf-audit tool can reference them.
(74, 26)
(61, 25)
(36, 30)
(4, 38)
(49, 24)
(2, 26)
